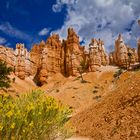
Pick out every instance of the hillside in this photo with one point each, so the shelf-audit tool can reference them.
(103, 107)
(20, 86)
(117, 115)
(77, 95)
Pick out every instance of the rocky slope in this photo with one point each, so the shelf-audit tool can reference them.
(72, 92)
(19, 86)
(117, 115)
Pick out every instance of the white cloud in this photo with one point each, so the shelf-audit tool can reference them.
(2, 40)
(44, 31)
(60, 3)
(104, 3)
(102, 18)
(8, 29)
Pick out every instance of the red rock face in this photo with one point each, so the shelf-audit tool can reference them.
(72, 54)
(36, 55)
(53, 56)
(56, 56)
(47, 58)
(123, 54)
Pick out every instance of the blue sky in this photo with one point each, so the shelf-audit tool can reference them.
(30, 21)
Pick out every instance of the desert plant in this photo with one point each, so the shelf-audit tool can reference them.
(129, 58)
(83, 68)
(118, 73)
(95, 91)
(13, 80)
(32, 116)
(97, 97)
(4, 75)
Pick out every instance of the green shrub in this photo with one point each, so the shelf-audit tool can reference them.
(95, 91)
(118, 73)
(32, 116)
(4, 73)
(97, 97)
(84, 65)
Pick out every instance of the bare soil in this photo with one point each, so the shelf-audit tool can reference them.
(116, 116)
(103, 107)
(72, 92)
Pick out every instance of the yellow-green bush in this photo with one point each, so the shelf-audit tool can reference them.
(31, 116)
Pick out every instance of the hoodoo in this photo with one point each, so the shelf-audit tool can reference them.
(56, 56)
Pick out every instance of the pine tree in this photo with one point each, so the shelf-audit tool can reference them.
(4, 75)
(83, 68)
(129, 59)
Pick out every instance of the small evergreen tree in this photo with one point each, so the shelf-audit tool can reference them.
(4, 73)
(83, 68)
(129, 58)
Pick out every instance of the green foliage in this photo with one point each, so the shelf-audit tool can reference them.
(84, 65)
(118, 73)
(97, 97)
(129, 59)
(129, 55)
(32, 116)
(95, 91)
(13, 80)
(4, 72)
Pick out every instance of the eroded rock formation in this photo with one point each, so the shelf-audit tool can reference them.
(7, 55)
(123, 55)
(19, 59)
(22, 62)
(54, 56)
(72, 53)
(97, 55)
(65, 57)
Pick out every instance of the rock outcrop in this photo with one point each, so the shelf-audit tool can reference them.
(19, 59)
(54, 56)
(123, 55)
(22, 62)
(7, 55)
(72, 54)
(47, 58)
(37, 55)
(97, 55)
(66, 57)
